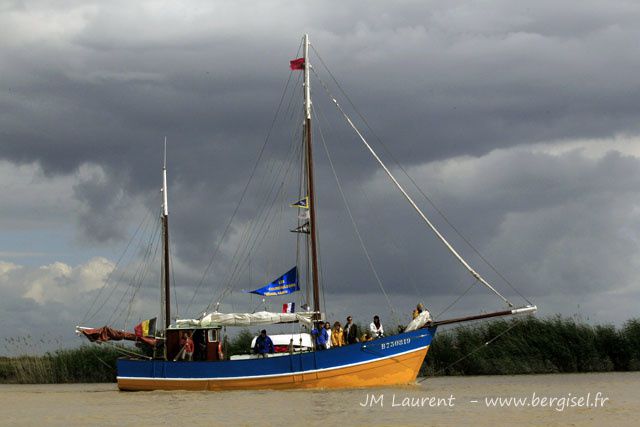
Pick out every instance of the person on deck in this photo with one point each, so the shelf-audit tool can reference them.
(182, 341)
(375, 328)
(327, 327)
(264, 345)
(188, 347)
(337, 335)
(365, 337)
(321, 335)
(419, 309)
(350, 331)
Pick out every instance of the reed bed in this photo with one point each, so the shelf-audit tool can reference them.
(84, 364)
(534, 346)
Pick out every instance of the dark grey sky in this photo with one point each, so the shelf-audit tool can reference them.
(519, 119)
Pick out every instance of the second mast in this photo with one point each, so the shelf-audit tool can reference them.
(312, 205)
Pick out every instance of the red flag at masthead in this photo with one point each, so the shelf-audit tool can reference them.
(297, 64)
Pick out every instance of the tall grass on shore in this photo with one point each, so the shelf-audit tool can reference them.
(84, 364)
(534, 346)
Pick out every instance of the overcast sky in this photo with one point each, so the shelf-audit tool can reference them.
(519, 120)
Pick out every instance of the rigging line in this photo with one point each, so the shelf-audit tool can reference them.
(130, 264)
(260, 237)
(280, 203)
(143, 275)
(275, 177)
(115, 267)
(227, 228)
(290, 111)
(300, 196)
(265, 230)
(127, 352)
(267, 206)
(389, 237)
(427, 198)
(244, 192)
(353, 222)
(264, 206)
(243, 256)
(455, 301)
(248, 232)
(475, 350)
(410, 200)
(132, 283)
(243, 250)
(136, 282)
(321, 117)
(283, 223)
(173, 278)
(321, 274)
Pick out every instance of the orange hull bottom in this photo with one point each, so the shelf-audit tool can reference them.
(397, 370)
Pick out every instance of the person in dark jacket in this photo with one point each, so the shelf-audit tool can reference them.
(263, 345)
(350, 332)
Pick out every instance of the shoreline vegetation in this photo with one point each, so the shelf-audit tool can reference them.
(524, 346)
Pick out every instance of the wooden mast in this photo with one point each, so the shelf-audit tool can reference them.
(312, 204)
(165, 243)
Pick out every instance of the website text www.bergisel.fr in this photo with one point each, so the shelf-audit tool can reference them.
(558, 403)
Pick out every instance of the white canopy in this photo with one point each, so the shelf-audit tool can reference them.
(245, 319)
(299, 340)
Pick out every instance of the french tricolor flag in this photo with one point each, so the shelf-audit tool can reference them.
(289, 307)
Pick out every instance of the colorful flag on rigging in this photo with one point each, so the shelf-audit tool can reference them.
(283, 285)
(302, 203)
(304, 228)
(146, 328)
(289, 307)
(297, 64)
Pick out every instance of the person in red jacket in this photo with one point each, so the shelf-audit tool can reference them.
(188, 347)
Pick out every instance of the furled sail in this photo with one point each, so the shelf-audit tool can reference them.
(109, 334)
(245, 319)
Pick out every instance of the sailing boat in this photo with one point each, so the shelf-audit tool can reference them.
(386, 361)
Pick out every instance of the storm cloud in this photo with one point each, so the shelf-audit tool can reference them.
(518, 120)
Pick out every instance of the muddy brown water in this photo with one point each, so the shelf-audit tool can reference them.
(611, 399)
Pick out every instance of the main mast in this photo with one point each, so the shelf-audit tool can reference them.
(312, 204)
(165, 244)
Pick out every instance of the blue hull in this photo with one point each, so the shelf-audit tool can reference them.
(388, 356)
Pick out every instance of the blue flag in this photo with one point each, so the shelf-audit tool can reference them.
(283, 285)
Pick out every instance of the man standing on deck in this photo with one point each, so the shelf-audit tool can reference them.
(350, 332)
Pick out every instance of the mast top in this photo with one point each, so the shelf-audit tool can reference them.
(165, 153)
(307, 87)
(165, 198)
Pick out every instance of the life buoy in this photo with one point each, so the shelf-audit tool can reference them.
(220, 352)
